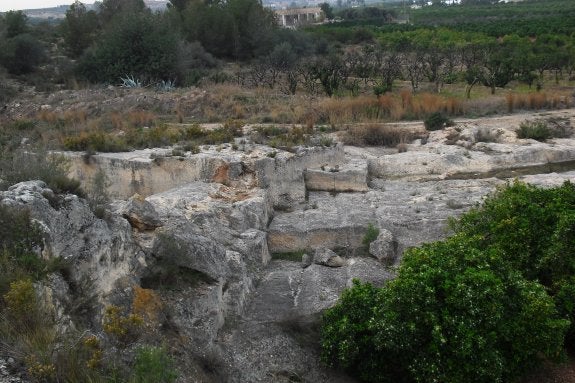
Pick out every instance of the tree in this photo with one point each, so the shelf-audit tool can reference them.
(240, 29)
(330, 72)
(16, 23)
(134, 44)
(178, 5)
(109, 9)
(327, 10)
(535, 228)
(22, 54)
(80, 28)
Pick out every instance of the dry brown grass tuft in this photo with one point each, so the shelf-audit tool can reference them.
(537, 100)
(75, 116)
(406, 98)
(510, 102)
(141, 118)
(377, 135)
(49, 116)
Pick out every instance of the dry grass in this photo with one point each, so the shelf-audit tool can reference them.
(537, 100)
(378, 135)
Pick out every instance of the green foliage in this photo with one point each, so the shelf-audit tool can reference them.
(153, 365)
(536, 130)
(293, 256)
(454, 313)
(53, 169)
(16, 23)
(347, 336)
(108, 10)
(534, 227)
(20, 244)
(327, 10)
(79, 28)
(437, 121)
(482, 306)
(370, 234)
(21, 54)
(232, 29)
(139, 44)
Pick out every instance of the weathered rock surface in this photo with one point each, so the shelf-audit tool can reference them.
(102, 251)
(141, 214)
(384, 247)
(349, 177)
(326, 257)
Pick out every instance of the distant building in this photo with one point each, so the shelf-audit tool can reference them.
(299, 16)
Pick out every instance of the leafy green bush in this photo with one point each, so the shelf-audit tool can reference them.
(21, 54)
(482, 306)
(52, 169)
(20, 240)
(134, 44)
(377, 135)
(535, 227)
(536, 130)
(455, 313)
(437, 121)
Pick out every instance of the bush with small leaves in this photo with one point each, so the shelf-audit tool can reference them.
(437, 121)
(535, 228)
(455, 313)
(535, 130)
(124, 328)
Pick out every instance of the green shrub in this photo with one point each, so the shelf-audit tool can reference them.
(535, 227)
(136, 44)
(482, 306)
(455, 313)
(536, 130)
(370, 234)
(437, 121)
(21, 54)
(153, 365)
(377, 135)
(50, 168)
(542, 130)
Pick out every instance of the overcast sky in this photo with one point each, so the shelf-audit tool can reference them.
(8, 5)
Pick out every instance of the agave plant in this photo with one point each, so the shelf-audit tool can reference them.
(166, 85)
(130, 82)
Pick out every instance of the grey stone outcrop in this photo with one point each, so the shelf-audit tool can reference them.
(384, 247)
(326, 257)
(140, 213)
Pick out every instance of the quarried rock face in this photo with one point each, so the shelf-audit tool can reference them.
(101, 250)
(349, 177)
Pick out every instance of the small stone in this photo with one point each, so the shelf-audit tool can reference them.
(306, 260)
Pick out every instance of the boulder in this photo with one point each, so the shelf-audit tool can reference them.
(306, 260)
(141, 213)
(326, 257)
(384, 247)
